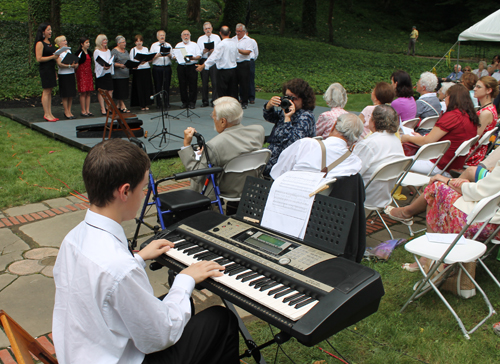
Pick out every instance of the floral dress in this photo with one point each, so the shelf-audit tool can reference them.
(481, 152)
(326, 120)
(444, 217)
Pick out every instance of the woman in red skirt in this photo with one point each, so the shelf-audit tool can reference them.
(84, 75)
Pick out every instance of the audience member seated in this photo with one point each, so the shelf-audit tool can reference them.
(491, 69)
(428, 104)
(290, 123)
(482, 70)
(469, 80)
(383, 93)
(467, 69)
(456, 75)
(405, 103)
(335, 97)
(442, 94)
(233, 140)
(485, 91)
(457, 125)
(305, 154)
(448, 201)
(383, 146)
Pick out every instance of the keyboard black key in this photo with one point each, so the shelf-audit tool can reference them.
(231, 266)
(276, 290)
(305, 303)
(222, 261)
(292, 297)
(260, 284)
(244, 275)
(184, 245)
(193, 251)
(269, 285)
(283, 293)
(249, 278)
(255, 281)
(297, 300)
(201, 255)
(237, 270)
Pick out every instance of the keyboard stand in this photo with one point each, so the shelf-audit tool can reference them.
(254, 350)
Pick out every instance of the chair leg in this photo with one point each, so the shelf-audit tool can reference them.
(489, 272)
(383, 222)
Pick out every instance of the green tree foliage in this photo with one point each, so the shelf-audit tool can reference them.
(126, 17)
(309, 10)
(235, 12)
(193, 10)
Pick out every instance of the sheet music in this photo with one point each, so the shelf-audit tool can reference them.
(179, 54)
(61, 50)
(406, 130)
(288, 206)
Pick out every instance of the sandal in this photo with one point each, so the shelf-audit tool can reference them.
(407, 222)
(125, 110)
(409, 268)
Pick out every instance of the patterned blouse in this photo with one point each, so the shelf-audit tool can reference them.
(301, 125)
(326, 120)
(481, 152)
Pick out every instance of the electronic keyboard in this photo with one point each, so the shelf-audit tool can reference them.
(305, 292)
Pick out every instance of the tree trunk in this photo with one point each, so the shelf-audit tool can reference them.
(309, 18)
(55, 17)
(330, 21)
(164, 15)
(283, 17)
(193, 10)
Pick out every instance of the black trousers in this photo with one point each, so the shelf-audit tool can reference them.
(205, 76)
(251, 81)
(188, 82)
(226, 83)
(162, 74)
(209, 337)
(243, 76)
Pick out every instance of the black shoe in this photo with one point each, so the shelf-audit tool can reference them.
(84, 115)
(184, 106)
(244, 106)
(252, 102)
(205, 104)
(192, 106)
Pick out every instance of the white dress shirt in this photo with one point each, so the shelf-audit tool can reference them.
(64, 69)
(192, 49)
(161, 61)
(98, 69)
(204, 39)
(374, 150)
(255, 49)
(224, 55)
(245, 44)
(105, 310)
(305, 155)
(135, 51)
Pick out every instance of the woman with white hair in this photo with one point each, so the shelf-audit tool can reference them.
(335, 97)
(442, 94)
(482, 70)
(66, 77)
(121, 75)
(103, 79)
(428, 104)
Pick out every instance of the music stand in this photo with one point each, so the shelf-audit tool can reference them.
(187, 110)
(164, 131)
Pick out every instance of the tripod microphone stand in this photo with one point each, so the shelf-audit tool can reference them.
(188, 111)
(164, 131)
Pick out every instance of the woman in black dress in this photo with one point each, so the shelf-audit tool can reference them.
(44, 52)
(67, 82)
(142, 87)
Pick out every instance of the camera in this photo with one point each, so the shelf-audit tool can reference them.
(286, 102)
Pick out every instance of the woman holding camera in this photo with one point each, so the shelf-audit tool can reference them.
(293, 120)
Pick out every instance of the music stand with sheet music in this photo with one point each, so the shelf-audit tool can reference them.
(164, 51)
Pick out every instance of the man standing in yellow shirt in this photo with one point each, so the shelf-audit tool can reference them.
(413, 40)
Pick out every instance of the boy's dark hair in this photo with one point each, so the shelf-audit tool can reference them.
(109, 165)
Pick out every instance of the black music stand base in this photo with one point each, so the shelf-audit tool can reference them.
(188, 113)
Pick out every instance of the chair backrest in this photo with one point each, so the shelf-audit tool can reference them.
(462, 150)
(428, 123)
(115, 115)
(411, 123)
(390, 170)
(484, 140)
(248, 161)
(484, 209)
(23, 344)
(432, 150)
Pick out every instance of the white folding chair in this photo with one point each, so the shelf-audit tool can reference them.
(428, 123)
(462, 150)
(454, 254)
(245, 163)
(484, 140)
(387, 172)
(411, 123)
